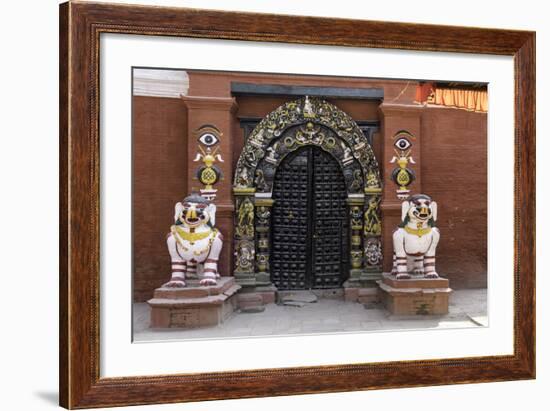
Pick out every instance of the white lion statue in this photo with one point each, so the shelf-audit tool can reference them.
(193, 240)
(415, 241)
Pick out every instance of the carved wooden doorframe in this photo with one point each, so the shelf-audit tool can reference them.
(295, 124)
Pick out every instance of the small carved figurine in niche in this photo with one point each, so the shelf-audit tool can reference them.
(357, 183)
(262, 215)
(262, 261)
(245, 219)
(372, 180)
(308, 108)
(259, 180)
(243, 179)
(193, 240)
(416, 239)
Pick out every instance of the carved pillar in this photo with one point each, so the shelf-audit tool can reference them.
(220, 113)
(366, 238)
(396, 118)
(356, 203)
(372, 234)
(244, 236)
(263, 228)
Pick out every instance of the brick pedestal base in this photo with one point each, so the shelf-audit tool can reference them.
(195, 305)
(415, 296)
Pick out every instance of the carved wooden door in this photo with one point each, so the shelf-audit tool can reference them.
(309, 222)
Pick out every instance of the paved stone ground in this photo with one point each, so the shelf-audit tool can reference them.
(467, 308)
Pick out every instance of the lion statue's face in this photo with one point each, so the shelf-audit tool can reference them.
(195, 211)
(420, 208)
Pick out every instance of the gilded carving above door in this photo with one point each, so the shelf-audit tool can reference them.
(314, 115)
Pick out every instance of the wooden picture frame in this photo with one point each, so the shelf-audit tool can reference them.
(80, 27)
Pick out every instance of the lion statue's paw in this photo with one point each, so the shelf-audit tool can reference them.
(402, 276)
(208, 281)
(431, 275)
(175, 284)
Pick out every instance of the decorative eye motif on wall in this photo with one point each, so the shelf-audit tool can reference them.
(209, 139)
(402, 144)
(403, 176)
(208, 135)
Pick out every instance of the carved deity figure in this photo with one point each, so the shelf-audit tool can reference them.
(372, 180)
(243, 179)
(416, 239)
(245, 219)
(308, 108)
(373, 225)
(193, 240)
(357, 183)
(244, 254)
(259, 180)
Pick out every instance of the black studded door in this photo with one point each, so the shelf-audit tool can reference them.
(309, 222)
(330, 220)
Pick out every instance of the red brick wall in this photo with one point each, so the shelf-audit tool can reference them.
(159, 180)
(454, 173)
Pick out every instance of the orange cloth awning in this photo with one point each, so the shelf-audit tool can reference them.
(470, 99)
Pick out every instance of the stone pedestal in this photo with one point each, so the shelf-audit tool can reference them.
(415, 296)
(194, 306)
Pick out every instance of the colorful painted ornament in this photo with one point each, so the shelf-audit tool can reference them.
(208, 135)
(402, 176)
(208, 174)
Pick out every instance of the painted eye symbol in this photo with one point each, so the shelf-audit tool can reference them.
(209, 139)
(402, 143)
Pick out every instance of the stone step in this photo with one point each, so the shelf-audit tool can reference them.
(297, 296)
(250, 302)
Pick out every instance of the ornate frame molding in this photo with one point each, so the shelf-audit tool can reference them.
(80, 381)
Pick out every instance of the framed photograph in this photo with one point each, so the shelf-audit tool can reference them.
(260, 205)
